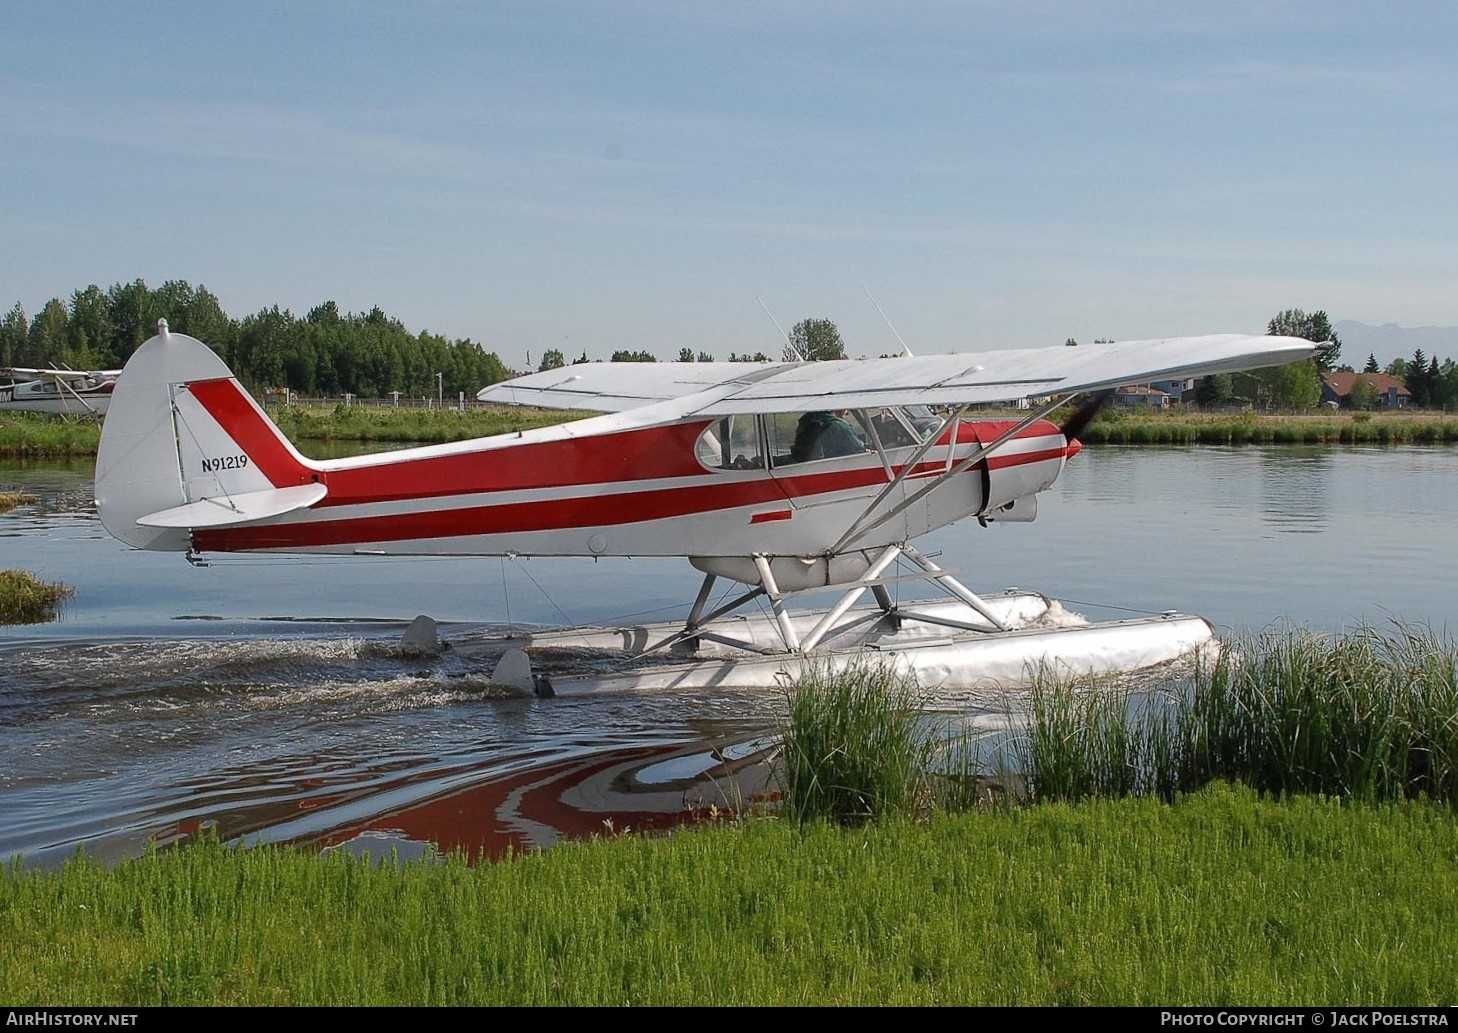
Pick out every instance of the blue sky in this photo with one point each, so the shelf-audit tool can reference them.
(596, 176)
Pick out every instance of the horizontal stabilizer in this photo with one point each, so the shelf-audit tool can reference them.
(226, 510)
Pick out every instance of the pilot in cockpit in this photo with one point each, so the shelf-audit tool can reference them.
(821, 435)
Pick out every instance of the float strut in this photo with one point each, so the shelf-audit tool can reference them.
(828, 622)
(954, 586)
(777, 603)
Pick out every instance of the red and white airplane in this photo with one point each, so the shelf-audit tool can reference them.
(709, 461)
(66, 392)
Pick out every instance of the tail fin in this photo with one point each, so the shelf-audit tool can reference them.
(185, 446)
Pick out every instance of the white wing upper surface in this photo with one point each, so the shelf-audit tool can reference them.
(616, 386)
(721, 388)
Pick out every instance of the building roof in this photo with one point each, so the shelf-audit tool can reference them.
(1341, 384)
(1136, 390)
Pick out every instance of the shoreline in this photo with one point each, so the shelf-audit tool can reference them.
(25, 436)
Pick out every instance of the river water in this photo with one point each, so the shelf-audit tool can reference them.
(268, 699)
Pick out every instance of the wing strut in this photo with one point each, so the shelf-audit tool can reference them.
(860, 527)
(906, 468)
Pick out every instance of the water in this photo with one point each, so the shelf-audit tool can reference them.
(267, 699)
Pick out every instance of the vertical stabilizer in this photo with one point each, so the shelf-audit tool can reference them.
(184, 445)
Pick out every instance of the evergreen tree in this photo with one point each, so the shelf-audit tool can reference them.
(1213, 390)
(1371, 366)
(1417, 380)
(14, 337)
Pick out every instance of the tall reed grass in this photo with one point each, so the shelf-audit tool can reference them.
(25, 599)
(1371, 715)
(859, 745)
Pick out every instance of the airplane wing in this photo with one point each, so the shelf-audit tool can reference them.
(721, 388)
(35, 373)
(616, 386)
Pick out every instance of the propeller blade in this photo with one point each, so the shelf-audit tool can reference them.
(1078, 422)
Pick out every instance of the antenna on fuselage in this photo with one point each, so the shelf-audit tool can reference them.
(887, 318)
(788, 345)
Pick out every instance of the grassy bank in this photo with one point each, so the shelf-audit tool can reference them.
(409, 426)
(1223, 898)
(1194, 847)
(1247, 428)
(33, 436)
(30, 436)
(25, 435)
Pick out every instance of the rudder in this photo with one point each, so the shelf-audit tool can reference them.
(183, 445)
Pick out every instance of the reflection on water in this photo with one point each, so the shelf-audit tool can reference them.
(267, 699)
(1293, 488)
(306, 740)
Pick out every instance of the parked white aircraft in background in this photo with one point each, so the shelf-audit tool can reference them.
(69, 392)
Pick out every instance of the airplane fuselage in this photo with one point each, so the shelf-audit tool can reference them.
(601, 487)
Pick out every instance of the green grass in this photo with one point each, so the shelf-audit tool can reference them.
(26, 435)
(25, 599)
(1116, 427)
(36, 436)
(1223, 898)
(410, 426)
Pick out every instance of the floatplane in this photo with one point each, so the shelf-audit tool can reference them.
(775, 478)
(65, 392)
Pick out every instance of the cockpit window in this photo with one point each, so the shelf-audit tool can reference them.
(899, 426)
(731, 443)
(745, 442)
(818, 434)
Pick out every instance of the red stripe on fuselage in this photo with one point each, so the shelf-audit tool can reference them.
(551, 514)
(645, 454)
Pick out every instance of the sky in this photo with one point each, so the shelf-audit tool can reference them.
(596, 176)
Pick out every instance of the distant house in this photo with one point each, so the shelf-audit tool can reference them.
(1176, 389)
(1336, 388)
(1146, 397)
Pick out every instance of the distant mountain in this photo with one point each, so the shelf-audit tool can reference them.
(1390, 341)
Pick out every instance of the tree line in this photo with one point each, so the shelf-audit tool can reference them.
(326, 352)
(1432, 383)
(812, 339)
(323, 353)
